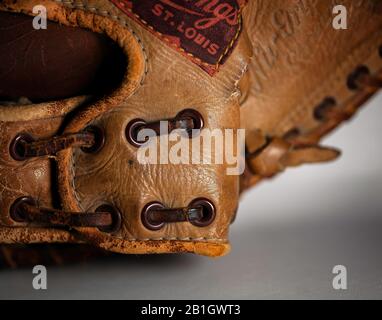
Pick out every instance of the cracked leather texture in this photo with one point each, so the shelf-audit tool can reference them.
(298, 60)
(166, 83)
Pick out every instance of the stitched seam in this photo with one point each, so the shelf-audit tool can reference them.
(231, 44)
(73, 178)
(167, 40)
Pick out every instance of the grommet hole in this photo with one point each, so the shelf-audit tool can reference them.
(99, 139)
(132, 131)
(115, 215)
(145, 216)
(209, 212)
(17, 212)
(17, 146)
(320, 112)
(354, 77)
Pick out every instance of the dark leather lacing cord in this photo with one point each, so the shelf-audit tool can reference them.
(92, 138)
(57, 218)
(328, 110)
(56, 144)
(368, 81)
(27, 210)
(362, 79)
(359, 80)
(24, 146)
(176, 214)
(187, 120)
(200, 212)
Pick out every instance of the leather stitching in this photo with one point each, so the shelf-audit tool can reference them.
(167, 40)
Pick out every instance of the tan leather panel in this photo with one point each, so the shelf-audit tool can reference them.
(300, 59)
(159, 83)
(31, 177)
(300, 62)
(171, 84)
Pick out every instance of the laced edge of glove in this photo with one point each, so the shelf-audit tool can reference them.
(267, 156)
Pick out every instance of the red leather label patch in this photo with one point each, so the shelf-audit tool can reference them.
(205, 31)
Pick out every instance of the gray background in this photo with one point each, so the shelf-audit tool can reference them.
(289, 234)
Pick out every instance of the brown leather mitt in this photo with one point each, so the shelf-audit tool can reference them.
(70, 170)
(69, 167)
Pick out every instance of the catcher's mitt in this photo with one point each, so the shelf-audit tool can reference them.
(69, 162)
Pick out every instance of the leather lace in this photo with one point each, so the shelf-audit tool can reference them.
(51, 146)
(271, 155)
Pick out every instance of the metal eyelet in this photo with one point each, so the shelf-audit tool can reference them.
(99, 137)
(132, 130)
(16, 212)
(17, 149)
(209, 212)
(195, 116)
(325, 106)
(354, 76)
(187, 119)
(116, 218)
(145, 216)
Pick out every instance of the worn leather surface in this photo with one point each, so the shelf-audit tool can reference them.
(299, 61)
(32, 177)
(159, 83)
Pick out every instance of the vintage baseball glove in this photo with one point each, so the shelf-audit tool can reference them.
(69, 165)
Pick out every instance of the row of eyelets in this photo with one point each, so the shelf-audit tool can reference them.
(188, 120)
(206, 206)
(352, 83)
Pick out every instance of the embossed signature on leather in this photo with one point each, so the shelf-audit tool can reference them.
(205, 31)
